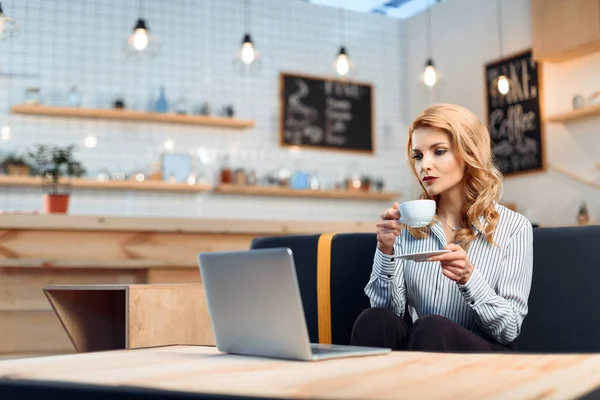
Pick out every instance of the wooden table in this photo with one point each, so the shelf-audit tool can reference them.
(397, 375)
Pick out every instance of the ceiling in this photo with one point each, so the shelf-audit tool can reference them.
(400, 9)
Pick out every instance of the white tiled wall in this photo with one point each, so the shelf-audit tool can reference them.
(80, 42)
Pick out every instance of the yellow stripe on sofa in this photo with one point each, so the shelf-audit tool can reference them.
(324, 287)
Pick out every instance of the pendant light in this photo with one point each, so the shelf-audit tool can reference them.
(430, 74)
(8, 26)
(247, 57)
(502, 81)
(342, 65)
(141, 41)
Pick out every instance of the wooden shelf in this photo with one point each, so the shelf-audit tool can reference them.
(33, 181)
(130, 115)
(574, 115)
(288, 192)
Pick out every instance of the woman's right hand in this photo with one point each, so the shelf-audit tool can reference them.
(388, 228)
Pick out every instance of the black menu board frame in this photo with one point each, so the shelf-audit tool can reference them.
(306, 101)
(516, 120)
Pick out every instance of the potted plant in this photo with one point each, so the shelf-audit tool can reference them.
(14, 164)
(583, 216)
(53, 163)
(365, 184)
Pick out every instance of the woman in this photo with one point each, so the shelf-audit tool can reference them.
(473, 298)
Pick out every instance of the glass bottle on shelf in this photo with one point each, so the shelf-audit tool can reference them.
(74, 100)
(225, 176)
(161, 102)
(314, 182)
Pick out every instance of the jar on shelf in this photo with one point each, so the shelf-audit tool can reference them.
(240, 176)
(32, 95)
(251, 178)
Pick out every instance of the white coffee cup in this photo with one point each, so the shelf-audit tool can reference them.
(417, 213)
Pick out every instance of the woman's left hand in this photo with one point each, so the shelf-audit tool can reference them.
(455, 265)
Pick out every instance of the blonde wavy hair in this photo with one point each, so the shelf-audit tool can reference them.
(483, 181)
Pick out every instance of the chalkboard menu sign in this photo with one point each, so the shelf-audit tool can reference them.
(326, 113)
(515, 118)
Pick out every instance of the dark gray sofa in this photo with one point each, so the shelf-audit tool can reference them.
(564, 305)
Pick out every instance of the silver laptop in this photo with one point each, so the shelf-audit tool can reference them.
(255, 307)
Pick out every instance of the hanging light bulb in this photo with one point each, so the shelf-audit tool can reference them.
(141, 41)
(429, 76)
(248, 54)
(342, 63)
(503, 84)
(502, 80)
(8, 26)
(247, 58)
(139, 38)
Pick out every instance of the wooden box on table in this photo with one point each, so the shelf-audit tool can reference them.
(112, 317)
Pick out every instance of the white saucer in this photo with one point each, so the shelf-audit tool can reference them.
(421, 256)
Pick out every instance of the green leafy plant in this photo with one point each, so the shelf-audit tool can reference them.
(54, 162)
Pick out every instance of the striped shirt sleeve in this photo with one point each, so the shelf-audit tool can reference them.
(386, 287)
(501, 312)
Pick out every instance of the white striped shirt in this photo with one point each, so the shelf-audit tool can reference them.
(492, 304)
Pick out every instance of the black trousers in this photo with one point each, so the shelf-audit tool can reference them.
(380, 327)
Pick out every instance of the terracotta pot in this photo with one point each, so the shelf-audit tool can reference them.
(56, 203)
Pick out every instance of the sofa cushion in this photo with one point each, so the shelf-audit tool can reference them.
(564, 304)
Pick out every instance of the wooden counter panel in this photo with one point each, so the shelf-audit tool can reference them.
(21, 288)
(31, 332)
(179, 225)
(173, 275)
(92, 248)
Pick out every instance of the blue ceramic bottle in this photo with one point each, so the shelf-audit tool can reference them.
(161, 103)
